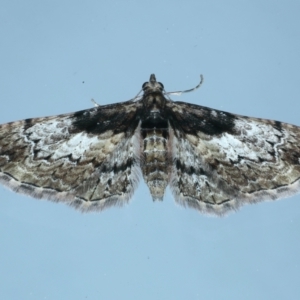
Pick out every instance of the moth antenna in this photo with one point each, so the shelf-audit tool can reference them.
(178, 93)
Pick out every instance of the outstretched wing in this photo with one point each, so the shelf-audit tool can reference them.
(222, 160)
(88, 159)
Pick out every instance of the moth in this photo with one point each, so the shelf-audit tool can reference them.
(212, 160)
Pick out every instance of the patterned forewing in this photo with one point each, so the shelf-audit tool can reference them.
(71, 157)
(232, 159)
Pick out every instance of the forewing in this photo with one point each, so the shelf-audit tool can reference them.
(222, 160)
(88, 159)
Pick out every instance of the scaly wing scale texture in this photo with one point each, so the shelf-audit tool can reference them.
(81, 158)
(228, 160)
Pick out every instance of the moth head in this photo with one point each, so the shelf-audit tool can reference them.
(152, 85)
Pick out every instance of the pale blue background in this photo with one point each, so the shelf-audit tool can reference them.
(248, 52)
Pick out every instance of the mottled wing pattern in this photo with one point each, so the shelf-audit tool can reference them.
(222, 160)
(213, 161)
(88, 159)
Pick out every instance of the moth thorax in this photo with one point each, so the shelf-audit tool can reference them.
(154, 102)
